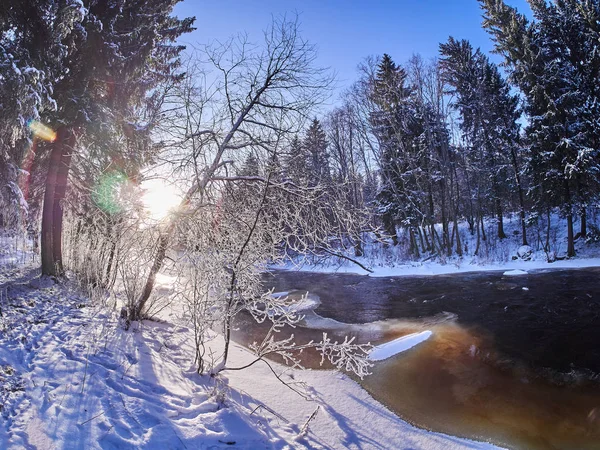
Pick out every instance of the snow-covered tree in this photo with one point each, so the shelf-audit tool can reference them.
(117, 54)
(315, 149)
(489, 114)
(552, 61)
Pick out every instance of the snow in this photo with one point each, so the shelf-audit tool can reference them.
(437, 268)
(72, 377)
(392, 348)
(514, 273)
(494, 255)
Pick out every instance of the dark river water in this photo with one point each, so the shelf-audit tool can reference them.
(512, 360)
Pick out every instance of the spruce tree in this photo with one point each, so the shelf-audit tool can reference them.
(315, 148)
(553, 62)
(489, 114)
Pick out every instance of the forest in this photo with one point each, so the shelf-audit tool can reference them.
(125, 156)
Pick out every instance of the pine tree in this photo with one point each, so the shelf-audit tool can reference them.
(315, 145)
(34, 41)
(296, 162)
(395, 124)
(549, 61)
(489, 116)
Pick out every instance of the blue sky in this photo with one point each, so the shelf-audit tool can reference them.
(345, 32)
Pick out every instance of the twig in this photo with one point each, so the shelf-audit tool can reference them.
(304, 429)
(263, 406)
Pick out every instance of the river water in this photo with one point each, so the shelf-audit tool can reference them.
(512, 360)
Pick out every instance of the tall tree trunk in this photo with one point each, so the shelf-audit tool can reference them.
(54, 194)
(48, 267)
(570, 236)
(478, 236)
(459, 251)
(445, 228)
(583, 231)
(433, 237)
(55, 190)
(426, 239)
(413, 243)
(501, 234)
(515, 164)
(547, 244)
(358, 247)
(421, 241)
(62, 176)
(483, 236)
(390, 228)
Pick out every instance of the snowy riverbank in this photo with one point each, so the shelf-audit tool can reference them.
(493, 255)
(70, 375)
(437, 268)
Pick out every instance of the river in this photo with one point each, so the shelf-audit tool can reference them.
(512, 360)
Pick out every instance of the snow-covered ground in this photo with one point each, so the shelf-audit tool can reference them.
(71, 377)
(494, 254)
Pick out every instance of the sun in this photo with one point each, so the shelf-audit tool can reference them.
(159, 199)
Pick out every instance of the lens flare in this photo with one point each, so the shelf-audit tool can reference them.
(42, 131)
(160, 199)
(107, 192)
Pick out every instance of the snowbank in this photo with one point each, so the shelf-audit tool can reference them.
(493, 254)
(435, 268)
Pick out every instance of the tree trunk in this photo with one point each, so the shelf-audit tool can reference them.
(163, 244)
(413, 243)
(358, 247)
(501, 234)
(66, 145)
(445, 228)
(459, 251)
(54, 195)
(583, 231)
(391, 230)
(421, 241)
(521, 197)
(570, 236)
(483, 236)
(48, 267)
(547, 245)
(433, 236)
(478, 237)
(426, 239)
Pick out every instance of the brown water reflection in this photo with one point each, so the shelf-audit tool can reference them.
(512, 366)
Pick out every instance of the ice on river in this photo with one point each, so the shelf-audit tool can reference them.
(514, 273)
(389, 349)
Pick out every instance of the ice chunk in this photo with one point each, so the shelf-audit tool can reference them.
(389, 349)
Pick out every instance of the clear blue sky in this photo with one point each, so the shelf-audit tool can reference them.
(345, 32)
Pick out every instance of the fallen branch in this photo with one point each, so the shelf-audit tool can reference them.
(340, 255)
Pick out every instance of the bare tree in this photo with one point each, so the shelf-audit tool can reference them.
(255, 94)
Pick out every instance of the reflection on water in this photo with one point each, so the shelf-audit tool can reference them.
(512, 365)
